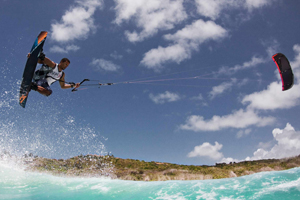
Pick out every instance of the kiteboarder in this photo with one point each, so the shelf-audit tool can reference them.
(49, 73)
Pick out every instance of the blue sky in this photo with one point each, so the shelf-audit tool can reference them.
(195, 81)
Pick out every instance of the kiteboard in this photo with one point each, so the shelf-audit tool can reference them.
(30, 67)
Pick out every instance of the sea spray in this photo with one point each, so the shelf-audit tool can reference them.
(43, 128)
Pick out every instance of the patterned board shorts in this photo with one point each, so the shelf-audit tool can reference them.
(44, 84)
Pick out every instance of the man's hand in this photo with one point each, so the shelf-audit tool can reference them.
(72, 84)
(76, 85)
(42, 56)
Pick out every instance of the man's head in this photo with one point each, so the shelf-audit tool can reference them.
(64, 63)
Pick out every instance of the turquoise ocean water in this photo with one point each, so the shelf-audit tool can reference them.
(16, 183)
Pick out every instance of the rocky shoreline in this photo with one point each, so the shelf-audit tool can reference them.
(136, 170)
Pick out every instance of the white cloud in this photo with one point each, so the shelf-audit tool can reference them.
(272, 47)
(228, 160)
(210, 151)
(287, 142)
(207, 150)
(197, 33)
(116, 56)
(67, 49)
(165, 97)
(243, 133)
(214, 8)
(255, 61)
(220, 89)
(296, 62)
(150, 16)
(287, 145)
(210, 9)
(106, 65)
(265, 145)
(155, 57)
(77, 22)
(273, 98)
(156, 15)
(184, 41)
(251, 4)
(199, 97)
(238, 119)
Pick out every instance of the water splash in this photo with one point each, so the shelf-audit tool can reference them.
(45, 129)
(267, 185)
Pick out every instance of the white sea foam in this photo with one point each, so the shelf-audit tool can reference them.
(20, 184)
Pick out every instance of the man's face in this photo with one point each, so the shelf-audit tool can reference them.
(64, 65)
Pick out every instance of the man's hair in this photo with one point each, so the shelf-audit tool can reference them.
(65, 59)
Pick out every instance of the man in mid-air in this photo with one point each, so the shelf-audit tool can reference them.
(49, 73)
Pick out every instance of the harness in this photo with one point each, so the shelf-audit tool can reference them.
(43, 73)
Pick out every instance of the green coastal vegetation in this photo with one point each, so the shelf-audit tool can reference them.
(137, 170)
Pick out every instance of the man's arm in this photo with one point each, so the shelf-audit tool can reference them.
(44, 60)
(47, 62)
(64, 85)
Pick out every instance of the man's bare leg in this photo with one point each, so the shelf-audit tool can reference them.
(43, 91)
